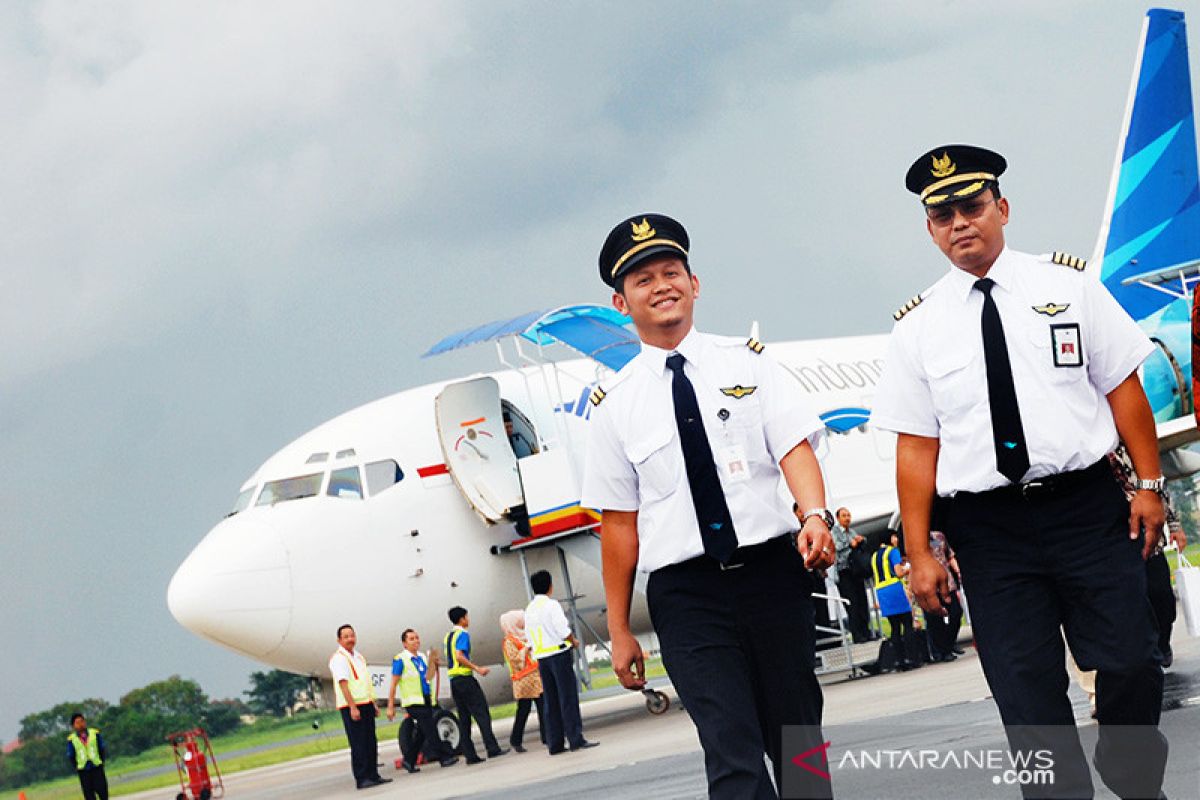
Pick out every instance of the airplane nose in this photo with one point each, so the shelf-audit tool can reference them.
(235, 587)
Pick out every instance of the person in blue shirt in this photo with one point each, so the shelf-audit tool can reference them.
(86, 753)
(887, 568)
(469, 699)
(409, 670)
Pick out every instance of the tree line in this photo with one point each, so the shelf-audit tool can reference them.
(141, 721)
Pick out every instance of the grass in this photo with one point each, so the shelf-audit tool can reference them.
(278, 737)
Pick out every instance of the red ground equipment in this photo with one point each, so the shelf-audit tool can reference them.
(194, 758)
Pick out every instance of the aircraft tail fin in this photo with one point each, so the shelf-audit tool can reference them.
(1149, 243)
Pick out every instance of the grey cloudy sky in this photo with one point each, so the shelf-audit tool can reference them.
(227, 222)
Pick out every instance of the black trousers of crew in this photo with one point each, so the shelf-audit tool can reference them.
(1064, 561)
(432, 746)
(470, 703)
(364, 750)
(561, 693)
(518, 728)
(94, 783)
(902, 634)
(943, 631)
(858, 615)
(1162, 598)
(738, 646)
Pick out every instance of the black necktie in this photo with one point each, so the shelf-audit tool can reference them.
(716, 526)
(1012, 457)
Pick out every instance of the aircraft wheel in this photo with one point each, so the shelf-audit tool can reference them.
(657, 702)
(447, 729)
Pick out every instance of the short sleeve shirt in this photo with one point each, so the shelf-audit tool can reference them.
(418, 661)
(754, 414)
(1069, 342)
(340, 665)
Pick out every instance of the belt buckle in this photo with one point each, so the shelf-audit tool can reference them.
(1031, 487)
(727, 567)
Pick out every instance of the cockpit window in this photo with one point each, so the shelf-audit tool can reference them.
(345, 483)
(317, 458)
(243, 501)
(383, 475)
(290, 489)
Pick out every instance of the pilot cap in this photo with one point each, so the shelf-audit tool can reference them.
(953, 172)
(637, 239)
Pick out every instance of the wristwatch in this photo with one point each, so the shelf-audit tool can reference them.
(1156, 485)
(823, 513)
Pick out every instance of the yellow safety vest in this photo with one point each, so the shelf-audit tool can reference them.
(542, 642)
(411, 692)
(456, 669)
(86, 752)
(882, 562)
(360, 683)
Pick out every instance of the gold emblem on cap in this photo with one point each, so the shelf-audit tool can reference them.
(943, 167)
(642, 231)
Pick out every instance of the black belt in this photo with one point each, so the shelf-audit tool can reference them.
(1042, 488)
(740, 558)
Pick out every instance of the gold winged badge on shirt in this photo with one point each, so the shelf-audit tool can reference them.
(1051, 309)
(738, 392)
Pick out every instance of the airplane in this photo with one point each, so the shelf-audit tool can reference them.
(422, 497)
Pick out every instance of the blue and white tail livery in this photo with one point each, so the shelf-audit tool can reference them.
(1148, 251)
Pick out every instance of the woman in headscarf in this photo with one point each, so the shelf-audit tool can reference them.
(527, 683)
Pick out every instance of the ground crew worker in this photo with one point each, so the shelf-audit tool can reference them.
(688, 444)
(551, 641)
(1008, 383)
(469, 699)
(86, 754)
(408, 672)
(887, 569)
(356, 700)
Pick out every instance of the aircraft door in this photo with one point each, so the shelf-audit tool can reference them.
(477, 451)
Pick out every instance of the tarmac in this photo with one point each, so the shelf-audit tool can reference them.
(937, 707)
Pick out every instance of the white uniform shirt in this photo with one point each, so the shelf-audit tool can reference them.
(546, 613)
(635, 460)
(935, 380)
(339, 666)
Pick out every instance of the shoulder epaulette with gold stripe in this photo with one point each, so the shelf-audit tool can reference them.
(755, 344)
(899, 313)
(598, 394)
(1066, 260)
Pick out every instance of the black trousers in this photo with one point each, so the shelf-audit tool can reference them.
(364, 750)
(854, 590)
(94, 783)
(943, 631)
(518, 728)
(1057, 562)
(432, 746)
(470, 702)
(1162, 598)
(561, 693)
(902, 634)
(738, 646)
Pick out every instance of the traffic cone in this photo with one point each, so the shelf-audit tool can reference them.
(21, 796)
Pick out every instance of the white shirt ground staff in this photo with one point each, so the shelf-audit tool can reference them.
(754, 414)
(547, 626)
(1069, 342)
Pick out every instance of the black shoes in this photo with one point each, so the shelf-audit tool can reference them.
(518, 747)
(584, 745)
(556, 750)
(498, 753)
(473, 761)
(448, 762)
(373, 781)
(410, 768)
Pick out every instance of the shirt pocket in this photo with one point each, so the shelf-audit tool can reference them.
(744, 428)
(657, 461)
(953, 385)
(1042, 339)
